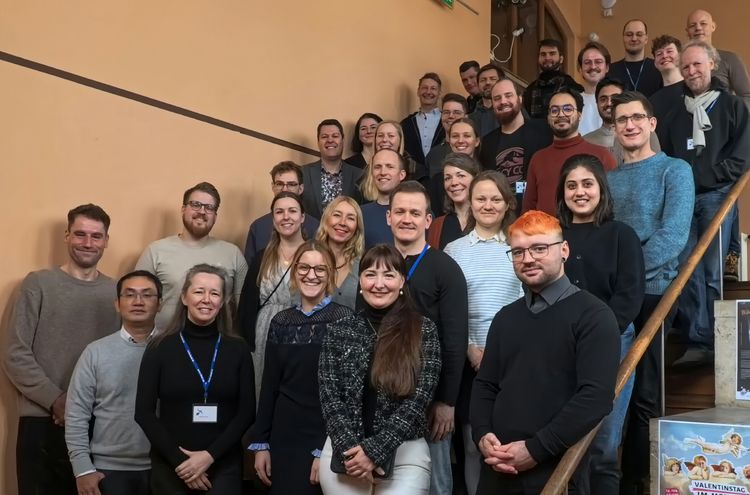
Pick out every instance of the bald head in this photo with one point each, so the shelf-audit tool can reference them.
(700, 26)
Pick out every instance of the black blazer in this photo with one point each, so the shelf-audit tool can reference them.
(312, 196)
(413, 141)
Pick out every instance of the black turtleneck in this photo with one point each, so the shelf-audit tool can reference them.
(168, 375)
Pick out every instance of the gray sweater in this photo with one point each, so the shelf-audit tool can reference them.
(54, 318)
(655, 197)
(103, 387)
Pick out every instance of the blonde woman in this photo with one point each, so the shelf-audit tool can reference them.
(388, 135)
(342, 230)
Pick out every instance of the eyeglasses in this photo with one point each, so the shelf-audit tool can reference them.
(637, 118)
(537, 252)
(197, 205)
(280, 184)
(566, 110)
(303, 269)
(589, 62)
(453, 113)
(144, 296)
(631, 34)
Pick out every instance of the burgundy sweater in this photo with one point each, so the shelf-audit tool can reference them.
(545, 167)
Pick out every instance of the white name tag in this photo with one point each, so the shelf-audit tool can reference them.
(690, 144)
(520, 186)
(205, 413)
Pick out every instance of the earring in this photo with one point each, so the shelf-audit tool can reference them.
(360, 291)
(563, 259)
(401, 292)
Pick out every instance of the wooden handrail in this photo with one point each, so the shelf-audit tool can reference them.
(558, 482)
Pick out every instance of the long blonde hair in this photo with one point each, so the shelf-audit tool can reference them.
(367, 186)
(356, 245)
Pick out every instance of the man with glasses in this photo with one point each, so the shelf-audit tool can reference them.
(563, 117)
(285, 176)
(549, 367)
(112, 458)
(636, 71)
(593, 65)
(652, 193)
(59, 311)
(171, 257)
(453, 108)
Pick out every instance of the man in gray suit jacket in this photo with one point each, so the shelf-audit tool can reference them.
(330, 176)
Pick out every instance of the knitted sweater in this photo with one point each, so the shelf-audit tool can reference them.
(55, 317)
(344, 365)
(545, 167)
(103, 389)
(655, 197)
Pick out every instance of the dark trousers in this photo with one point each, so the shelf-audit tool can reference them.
(125, 482)
(42, 463)
(225, 476)
(645, 403)
(531, 482)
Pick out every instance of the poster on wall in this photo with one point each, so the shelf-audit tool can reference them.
(703, 458)
(743, 350)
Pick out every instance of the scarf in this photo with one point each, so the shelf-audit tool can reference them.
(697, 106)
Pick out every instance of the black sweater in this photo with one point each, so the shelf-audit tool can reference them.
(608, 262)
(547, 378)
(168, 376)
(725, 157)
(438, 287)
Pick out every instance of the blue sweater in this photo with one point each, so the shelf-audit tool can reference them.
(655, 197)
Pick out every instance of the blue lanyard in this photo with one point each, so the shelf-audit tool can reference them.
(635, 84)
(414, 266)
(205, 382)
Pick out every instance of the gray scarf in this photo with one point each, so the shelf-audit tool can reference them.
(697, 107)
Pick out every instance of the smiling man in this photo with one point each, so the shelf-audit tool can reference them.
(563, 117)
(422, 129)
(113, 458)
(388, 170)
(593, 65)
(540, 390)
(330, 176)
(438, 287)
(652, 193)
(636, 71)
(59, 311)
(551, 78)
(170, 258)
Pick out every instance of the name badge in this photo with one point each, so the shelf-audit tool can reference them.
(520, 186)
(205, 413)
(690, 144)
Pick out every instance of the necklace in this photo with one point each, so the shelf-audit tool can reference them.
(284, 258)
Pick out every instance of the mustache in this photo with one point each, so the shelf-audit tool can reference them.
(562, 119)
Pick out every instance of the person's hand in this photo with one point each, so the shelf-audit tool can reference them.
(263, 466)
(194, 466)
(475, 355)
(201, 483)
(88, 484)
(496, 455)
(58, 410)
(315, 472)
(358, 464)
(522, 459)
(441, 420)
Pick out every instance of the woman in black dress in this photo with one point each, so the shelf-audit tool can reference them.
(289, 432)
(195, 394)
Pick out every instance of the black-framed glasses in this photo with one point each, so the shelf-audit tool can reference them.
(537, 252)
(637, 118)
(197, 206)
(280, 184)
(303, 269)
(133, 295)
(566, 110)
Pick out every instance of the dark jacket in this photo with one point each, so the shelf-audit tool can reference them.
(413, 141)
(312, 196)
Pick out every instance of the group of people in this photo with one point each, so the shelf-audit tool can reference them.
(462, 288)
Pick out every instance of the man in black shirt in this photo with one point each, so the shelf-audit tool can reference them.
(549, 368)
(551, 79)
(468, 71)
(438, 287)
(636, 71)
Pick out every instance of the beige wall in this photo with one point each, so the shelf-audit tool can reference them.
(276, 67)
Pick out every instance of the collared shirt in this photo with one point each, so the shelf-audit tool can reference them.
(553, 293)
(322, 304)
(428, 124)
(474, 238)
(331, 185)
(129, 338)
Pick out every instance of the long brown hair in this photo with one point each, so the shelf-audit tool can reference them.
(397, 360)
(224, 322)
(270, 259)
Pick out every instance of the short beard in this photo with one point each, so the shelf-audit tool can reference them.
(197, 233)
(554, 68)
(560, 134)
(507, 118)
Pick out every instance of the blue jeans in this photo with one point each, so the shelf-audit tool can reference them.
(441, 478)
(605, 467)
(695, 306)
